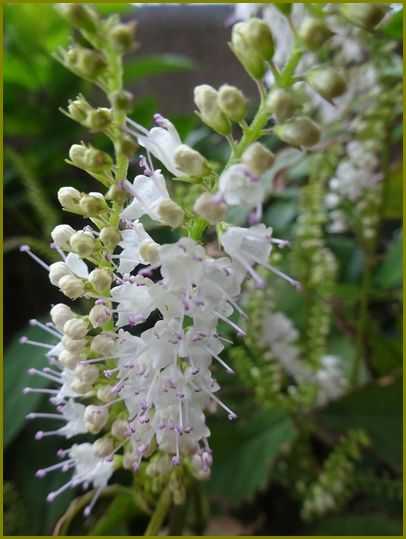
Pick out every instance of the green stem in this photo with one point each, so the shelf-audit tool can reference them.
(178, 519)
(161, 510)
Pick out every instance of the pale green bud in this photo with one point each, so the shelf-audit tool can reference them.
(99, 315)
(110, 237)
(170, 213)
(249, 57)
(92, 205)
(60, 314)
(87, 373)
(205, 98)
(149, 251)
(127, 146)
(281, 104)
(123, 101)
(75, 346)
(99, 119)
(259, 36)
(104, 446)
(71, 286)
(76, 328)
(327, 82)
(77, 154)
(123, 36)
(79, 387)
(208, 207)
(80, 16)
(257, 158)
(69, 359)
(314, 32)
(117, 193)
(120, 429)
(232, 102)
(100, 279)
(79, 108)
(97, 160)
(69, 198)
(102, 344)
(83, 243)
(105, 393)
(95, 418)
(366, 14)
(190, 161)
(90, 62)
(57, 270)
(301, 131)
(61, 235)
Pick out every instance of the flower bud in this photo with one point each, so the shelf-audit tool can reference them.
(205, 98)
(123, 101)
(71, 286)
(97, 160)
(99, 315)
(123, 35)
(128, 147)
(104, 446)
(61, 235)
(210, 208)
(259, 36)
(75, 346)
(76, 328)
(69, 198)
(79, 109)
(99, 119)
(90, 63)
(314, 32)
(365, 15)
(149, 251)
(190, 161)
(170, 213)
(281, 104)
(249, 57)
(79, 387)
(77, 154)
(257, 158)
(57, 271)
(83, 243)
(95, 418)
(87, 374)
(232, 102)
(92, 205)
(102, 344)
(69, 359)
(60, 314)
(100, 279)
(120, 429)
(301, 131)
(105, 393)
(327, 82)
(80, 16)
(117, 193)
(110, 237)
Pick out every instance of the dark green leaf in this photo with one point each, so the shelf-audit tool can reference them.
(19, 358)
(390, 273)
(120, 511)
(394, 27)
(156, 65)
(244, 454)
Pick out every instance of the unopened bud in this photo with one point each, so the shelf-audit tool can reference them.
(76, 328)
(99, 119)
(90, 62)
(366, 15)
(104, 446)
(87, 374)
(327, 82)
(57, 271)
(69, 198)
(117, 193)
(210, 208)
(61, 235)
(281, 104)
(77, 154)
(97, 160)
(71, 286)
(123, 101)
(257, 158)
(206, 100)
(190, 161)
(247, 54)
(120, 429)
(95, 418)
(314, 32)
(170, 213)
(301, 131)
(102, 344)
(99, 315)
(127, 146)
(92, 205)
(69, 359)
(123, 35)
(79, 387)
(110, 237)
(75, 346)
(149, 251)
(106, 393)
(81, 16)
(259, 37)
(83, 243)
(100, 279)
(79, 109)
(60, 314)
(232, 102)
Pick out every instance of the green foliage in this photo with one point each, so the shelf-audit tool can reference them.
(148, 65)
(389, 274)
(357, 525)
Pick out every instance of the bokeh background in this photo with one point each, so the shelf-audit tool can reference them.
(180, 47)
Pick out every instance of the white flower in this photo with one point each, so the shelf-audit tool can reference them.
(134, 239)
(148, 192)
(239, 187)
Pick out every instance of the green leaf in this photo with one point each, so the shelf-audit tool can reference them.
(390, 273)
(120, 511)
(280, 214)
(109, 9)
(358, 525)
(394, 27)
(244, 454)
(378, 410)
(152, 64)
(19, 358)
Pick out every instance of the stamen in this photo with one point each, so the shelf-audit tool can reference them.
(40, 390)
(26, 340)
(218, 358)
(27, 249)
(32, 372)
(230, 323)
(58, 250)
(89, 508)
(35, 322)
(40, 415)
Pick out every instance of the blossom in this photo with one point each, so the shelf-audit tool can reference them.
(136, 244)
(239, 187)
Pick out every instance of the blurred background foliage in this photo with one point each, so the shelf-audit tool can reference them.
(250, 483)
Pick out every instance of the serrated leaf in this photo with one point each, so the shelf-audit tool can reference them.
(19, 358)
(244, 453)
(390, 273)
(378, 410)
(148, 65)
